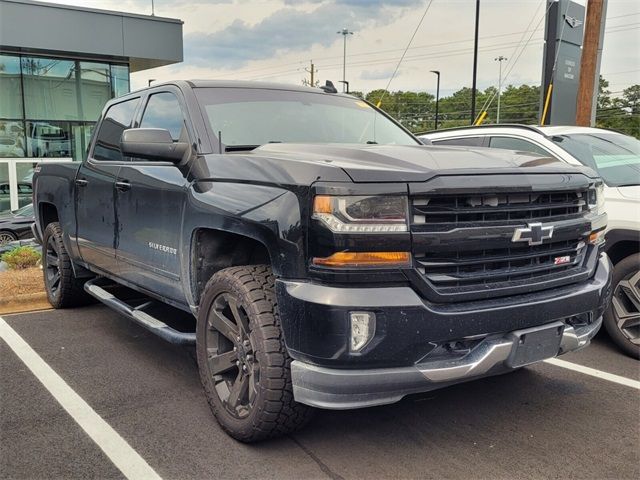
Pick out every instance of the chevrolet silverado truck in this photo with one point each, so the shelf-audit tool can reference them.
(315, 252)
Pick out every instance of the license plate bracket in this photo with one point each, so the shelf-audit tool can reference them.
(535, 344)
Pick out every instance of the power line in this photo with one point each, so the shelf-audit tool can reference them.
(405, 51)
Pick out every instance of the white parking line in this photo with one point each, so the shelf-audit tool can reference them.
(594, 373)
(128, 461)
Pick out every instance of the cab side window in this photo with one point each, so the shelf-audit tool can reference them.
(163, 111)
(460, 142)
(117, 119)
(510, 143)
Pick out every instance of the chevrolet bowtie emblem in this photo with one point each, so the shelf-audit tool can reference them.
(535, 233)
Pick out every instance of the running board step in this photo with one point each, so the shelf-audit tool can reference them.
(138, 315)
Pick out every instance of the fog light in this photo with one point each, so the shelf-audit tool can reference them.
(363, 328)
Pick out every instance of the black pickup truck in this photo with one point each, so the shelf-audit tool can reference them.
(329, 259)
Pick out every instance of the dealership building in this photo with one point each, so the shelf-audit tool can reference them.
(59, 65)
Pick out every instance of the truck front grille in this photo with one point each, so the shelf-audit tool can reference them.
(462, 244)
(447, 211)
(484, 268)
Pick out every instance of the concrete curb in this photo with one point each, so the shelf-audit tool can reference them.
(24, 303)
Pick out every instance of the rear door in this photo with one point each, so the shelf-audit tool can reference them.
(95, 213)
(150, 197)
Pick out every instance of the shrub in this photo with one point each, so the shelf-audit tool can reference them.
(21, 257)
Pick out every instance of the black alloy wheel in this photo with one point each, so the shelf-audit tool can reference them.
(64, 290)
(51, 266)
(230, 356)
(244, 364)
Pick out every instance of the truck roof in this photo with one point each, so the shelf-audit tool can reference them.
(203, 83)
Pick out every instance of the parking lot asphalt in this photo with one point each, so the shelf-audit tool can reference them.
(543, 421)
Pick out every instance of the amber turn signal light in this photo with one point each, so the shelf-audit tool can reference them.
(365, 259)
(322, 204)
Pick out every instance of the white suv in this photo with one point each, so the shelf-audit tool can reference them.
(616, 158)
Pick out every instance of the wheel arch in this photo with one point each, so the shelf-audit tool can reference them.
(622, 243)
(213, 250)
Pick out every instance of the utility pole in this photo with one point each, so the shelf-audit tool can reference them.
(344, 32)
(437, 72)
(475, 64)
(312, 70)
(499, 59)
(587, 87)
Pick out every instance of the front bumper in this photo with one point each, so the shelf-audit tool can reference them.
(411, 350)
(344, 388)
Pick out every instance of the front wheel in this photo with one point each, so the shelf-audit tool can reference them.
(243, 362)
(622, 318)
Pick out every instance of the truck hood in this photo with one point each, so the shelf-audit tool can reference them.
(400, 163)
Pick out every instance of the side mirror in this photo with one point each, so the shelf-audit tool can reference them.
(152, 144)
(425, 141)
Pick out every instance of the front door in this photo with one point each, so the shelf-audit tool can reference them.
(94, 186)
(150, 198)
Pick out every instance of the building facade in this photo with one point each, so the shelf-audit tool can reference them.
(59, 65)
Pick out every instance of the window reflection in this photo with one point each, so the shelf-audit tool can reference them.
(95, 88)
(10, 104)
(48, 139)
(119, 80)
(50, 89)
(12, 143)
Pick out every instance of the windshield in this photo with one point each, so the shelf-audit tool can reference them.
(26, 211)
(253, 117)
(615, 157)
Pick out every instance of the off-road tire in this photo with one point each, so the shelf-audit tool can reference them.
(622, 270)
(274, 411)
(68, 292)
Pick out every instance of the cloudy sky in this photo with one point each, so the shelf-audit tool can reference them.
(274, 40)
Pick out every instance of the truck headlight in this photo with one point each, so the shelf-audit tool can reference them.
(595, 198)
(362, 214)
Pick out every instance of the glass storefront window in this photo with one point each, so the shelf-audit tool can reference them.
(5, 201)
(11, 96)
(95, 88)
(50, 89)
(12, 139)
(119, 79)
(48, 139)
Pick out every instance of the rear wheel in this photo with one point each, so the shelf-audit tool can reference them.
(7, 237)
(64, 290)
(622, 318)
(243, 362)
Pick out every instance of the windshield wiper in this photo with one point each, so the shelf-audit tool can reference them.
(372, 142)
(628, 185)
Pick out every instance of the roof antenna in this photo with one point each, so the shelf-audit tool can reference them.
(219, 142)
(329, 87)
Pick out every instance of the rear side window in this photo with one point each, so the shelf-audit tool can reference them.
(163, 111)
(117, 119)
(510, 143)
(460, 142)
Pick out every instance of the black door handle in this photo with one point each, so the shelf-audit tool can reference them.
(123, 185)
(82, 182)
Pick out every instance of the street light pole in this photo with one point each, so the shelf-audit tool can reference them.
(344, 32)
(499, 59)
(437, 72)
(475, 64)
